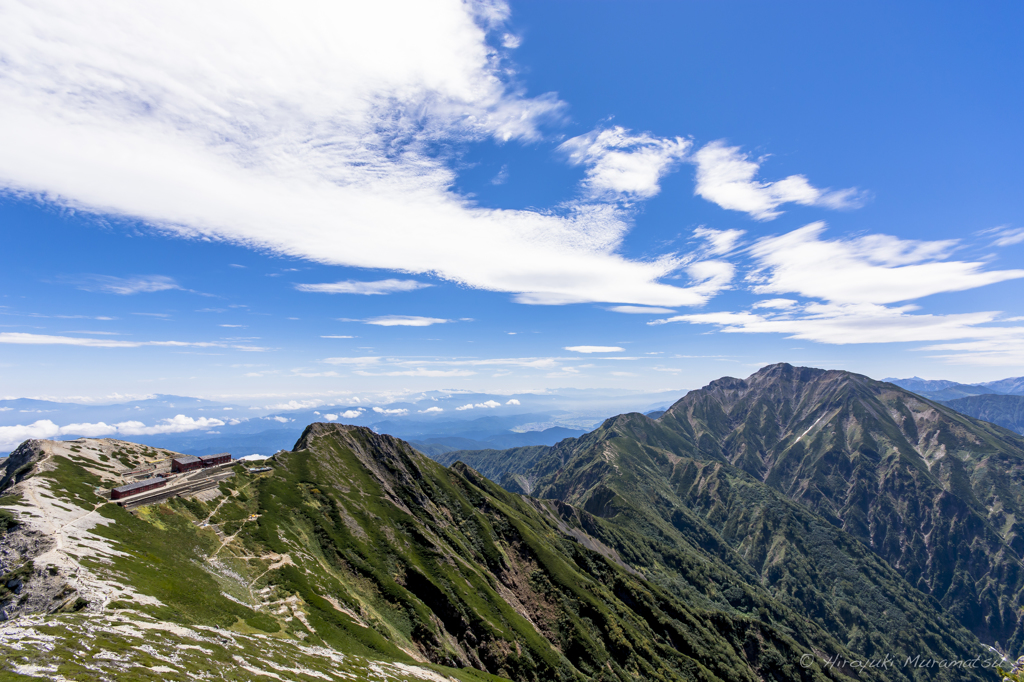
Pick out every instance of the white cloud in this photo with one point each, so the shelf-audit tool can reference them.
(295, 405)
(725, 176)
(404, 321)
(310, 132)
(283, 420)
(842, 324)
(1005, 235)
(384, 286)
(352, 414)
(177, 424)
(22, 338)
(488, 405)
(640, 310)
(595, 349)
(12, 436)
(872, 269)
(855, 279)
(334, 336)
(432, 410)
(368, 360)
(419, 372)
(775, 303)
(126, 285)
(719, 242)
(623, 165)
(394, 412)
(513, 401)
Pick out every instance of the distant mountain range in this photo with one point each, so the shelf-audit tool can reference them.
(1000, 402)
(941, 389)
(432, 419)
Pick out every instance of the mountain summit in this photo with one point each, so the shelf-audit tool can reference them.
(933, 494)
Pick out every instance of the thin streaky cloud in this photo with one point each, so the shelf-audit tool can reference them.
(841, 324)
(367, 360)
(25, 339)
(874, 269)
(1005, 235)
(125, 286)
(418, 372)
(404, 321)
(595, 349)
(381, 287)
(640, 310)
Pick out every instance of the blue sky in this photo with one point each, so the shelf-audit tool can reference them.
(325, 200)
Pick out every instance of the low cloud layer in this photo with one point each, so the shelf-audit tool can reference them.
(12, 436)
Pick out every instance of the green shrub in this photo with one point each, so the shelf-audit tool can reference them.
(7, 521)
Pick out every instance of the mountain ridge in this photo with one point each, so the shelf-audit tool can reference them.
(869, 457)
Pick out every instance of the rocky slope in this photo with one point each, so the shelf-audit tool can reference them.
(936, 494)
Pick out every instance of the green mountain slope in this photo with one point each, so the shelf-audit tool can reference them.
(898, 493)
(356, 546)
(934, 493)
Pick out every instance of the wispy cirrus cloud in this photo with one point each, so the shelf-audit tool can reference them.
(25, 339)
(314, 135)
(595, 349)
(125, 286)
(640, 310)
(381, 287)
(871, 269)
(417, 372)
(856, 281)
(360, 361)
(726, 176)
(404, 321)
(1004, 235)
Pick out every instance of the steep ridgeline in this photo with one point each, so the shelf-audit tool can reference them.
(936, 494)
(448, 566)
(355, 557)
(884, 516)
